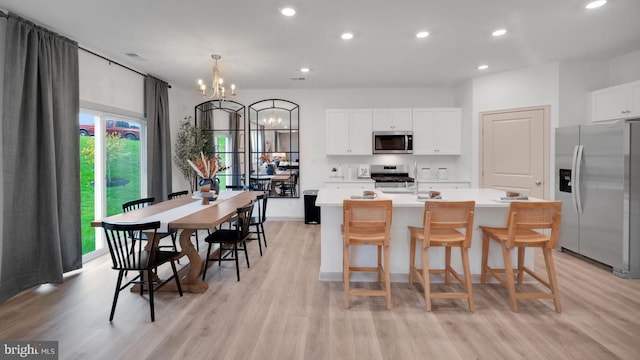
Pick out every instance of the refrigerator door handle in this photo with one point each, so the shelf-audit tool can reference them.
(573, 178)
(576, 180)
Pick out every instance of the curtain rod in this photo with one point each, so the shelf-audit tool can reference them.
(115, 62)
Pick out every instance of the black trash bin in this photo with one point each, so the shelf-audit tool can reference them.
(311, 211)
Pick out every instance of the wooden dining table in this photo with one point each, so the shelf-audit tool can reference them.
(187, 214)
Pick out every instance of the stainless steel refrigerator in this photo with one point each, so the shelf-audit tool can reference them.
(598, 181)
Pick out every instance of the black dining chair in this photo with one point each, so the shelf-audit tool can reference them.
(258, 221)
(177, 194)
(140, 257)
(290, 188)
(234, 237)
(260, 184)
(141, 203)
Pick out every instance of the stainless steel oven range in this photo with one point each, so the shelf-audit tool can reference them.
(391, 176)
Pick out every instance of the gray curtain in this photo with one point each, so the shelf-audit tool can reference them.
(158, 138)
(41, 158)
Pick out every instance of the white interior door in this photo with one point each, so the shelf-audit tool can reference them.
(514, 150)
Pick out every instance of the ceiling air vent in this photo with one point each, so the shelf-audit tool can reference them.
(298, 78)
(134, 56)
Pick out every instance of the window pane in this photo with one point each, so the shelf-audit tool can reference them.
(122, 143)
(87, 193)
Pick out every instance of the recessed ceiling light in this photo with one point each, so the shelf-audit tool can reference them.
(595, 4)
(499, 32)
(422, 34)
(305, 70)
(288, 11)
(347, 36)
(483, 67)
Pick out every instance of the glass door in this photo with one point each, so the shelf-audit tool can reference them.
(112, 170)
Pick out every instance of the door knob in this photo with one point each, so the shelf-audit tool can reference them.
(538, 182)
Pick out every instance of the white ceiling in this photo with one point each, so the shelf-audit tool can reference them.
(261, 49)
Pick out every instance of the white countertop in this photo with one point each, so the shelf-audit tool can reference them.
(443, 181)
(342, 179)
(482, 197)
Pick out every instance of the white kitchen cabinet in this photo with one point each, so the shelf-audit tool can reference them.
(392, 120)
(349, 131)
(437, 131)
(349, 184)
(429, 185)
(616, 102)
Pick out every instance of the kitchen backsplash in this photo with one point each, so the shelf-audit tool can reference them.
(433, 170)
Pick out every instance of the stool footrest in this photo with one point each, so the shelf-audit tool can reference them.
(367, 292)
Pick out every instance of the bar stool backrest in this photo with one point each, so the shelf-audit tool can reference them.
(534, 215)
(449, 215)
(367, 221)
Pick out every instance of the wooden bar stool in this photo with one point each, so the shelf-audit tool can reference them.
(367, 222)
(524, 221)
(442, 221)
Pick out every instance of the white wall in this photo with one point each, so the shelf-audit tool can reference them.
(464, 100)
(625, 68)
(576, 80)
(532, 86)
(107, 86)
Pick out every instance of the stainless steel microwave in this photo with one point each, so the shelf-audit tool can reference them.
(393, 142)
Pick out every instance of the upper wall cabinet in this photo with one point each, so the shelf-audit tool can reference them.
(392, 120)
(616, 102)
(349, 132)
(437, 131)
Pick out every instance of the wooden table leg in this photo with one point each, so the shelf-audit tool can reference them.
(191, 282)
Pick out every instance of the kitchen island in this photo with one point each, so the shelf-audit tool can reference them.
(408, 210)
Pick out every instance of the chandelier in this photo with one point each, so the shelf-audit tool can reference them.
(217, 86)
(272, 120)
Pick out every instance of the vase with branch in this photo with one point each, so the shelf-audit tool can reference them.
(207, 168)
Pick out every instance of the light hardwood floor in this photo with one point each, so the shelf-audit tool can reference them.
(279, 310)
